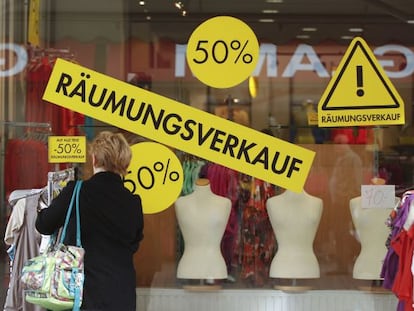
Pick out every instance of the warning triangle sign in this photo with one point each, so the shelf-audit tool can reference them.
(360, 87)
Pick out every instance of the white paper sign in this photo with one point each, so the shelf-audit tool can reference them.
(377, 196)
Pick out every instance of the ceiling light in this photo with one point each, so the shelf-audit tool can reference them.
(410, 21)
(266, 20)
(309, 29)
(347, 37)
(356, 29)
(302, 36)
(270, 11)
(179, 5)
(141, 2)
(274, 1)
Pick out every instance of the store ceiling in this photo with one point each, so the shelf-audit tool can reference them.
(381, 21)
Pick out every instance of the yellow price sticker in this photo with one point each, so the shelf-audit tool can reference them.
(67, 149)
(156, 175)
(222, 52)
(312, 118)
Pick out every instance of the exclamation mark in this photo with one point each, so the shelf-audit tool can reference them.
(360, 82)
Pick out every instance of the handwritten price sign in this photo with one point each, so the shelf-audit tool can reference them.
(156, 174)
(378, 196)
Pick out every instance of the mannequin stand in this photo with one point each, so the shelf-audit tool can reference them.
(375, 288)
(293, 287)
(203, 286)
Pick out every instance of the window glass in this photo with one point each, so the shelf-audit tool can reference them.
(321, 238)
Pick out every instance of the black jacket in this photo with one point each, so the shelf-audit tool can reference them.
(111, 229)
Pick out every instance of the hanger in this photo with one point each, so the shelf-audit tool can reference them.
(17, 195)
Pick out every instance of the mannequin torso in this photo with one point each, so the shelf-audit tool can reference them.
(372, 233)
(295, 218)
(202, 217)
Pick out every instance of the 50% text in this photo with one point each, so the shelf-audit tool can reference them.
(147, 177)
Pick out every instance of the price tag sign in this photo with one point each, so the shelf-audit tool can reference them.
(377, 196)
(156, 175)
(312, 118)
(222, 52)
(67, 149)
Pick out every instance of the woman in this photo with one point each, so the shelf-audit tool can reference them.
(111, 226)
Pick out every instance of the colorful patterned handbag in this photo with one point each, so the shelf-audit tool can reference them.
(54, 280)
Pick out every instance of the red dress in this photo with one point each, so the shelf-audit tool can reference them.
(403, 244)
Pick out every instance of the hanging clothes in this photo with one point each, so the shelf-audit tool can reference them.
(191, 171)
(249, 243)
(396, 269)
(22, 236)
(258, 242)
(63, 121)
(224, 182)
(403, 245)
(26, 164)
(395, 222)
(360, 135)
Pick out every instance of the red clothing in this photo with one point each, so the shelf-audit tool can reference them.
(403, 244)
(63, 121)
(358, 135)
(26, 164)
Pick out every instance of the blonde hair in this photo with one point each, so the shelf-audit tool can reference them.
(112, 152)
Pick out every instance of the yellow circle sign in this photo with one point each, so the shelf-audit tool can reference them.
(222, 52)
(156, 175)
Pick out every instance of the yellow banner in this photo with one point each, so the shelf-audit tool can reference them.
(33, 25)
(178, 125)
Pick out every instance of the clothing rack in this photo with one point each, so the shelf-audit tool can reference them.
(28, 125)
(52, 53)
(25, 124)
(28, 247)
(42, 56)
(53, 177)
(15, 124)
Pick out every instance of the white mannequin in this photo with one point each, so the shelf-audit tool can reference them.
(372, 233)
(202, 217)
(295, 219)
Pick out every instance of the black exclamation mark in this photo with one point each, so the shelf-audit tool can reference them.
(360, 83)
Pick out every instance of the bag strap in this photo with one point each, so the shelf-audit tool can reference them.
(78, 226)
(75, 198)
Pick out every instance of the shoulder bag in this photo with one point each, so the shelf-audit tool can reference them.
(54, 280)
